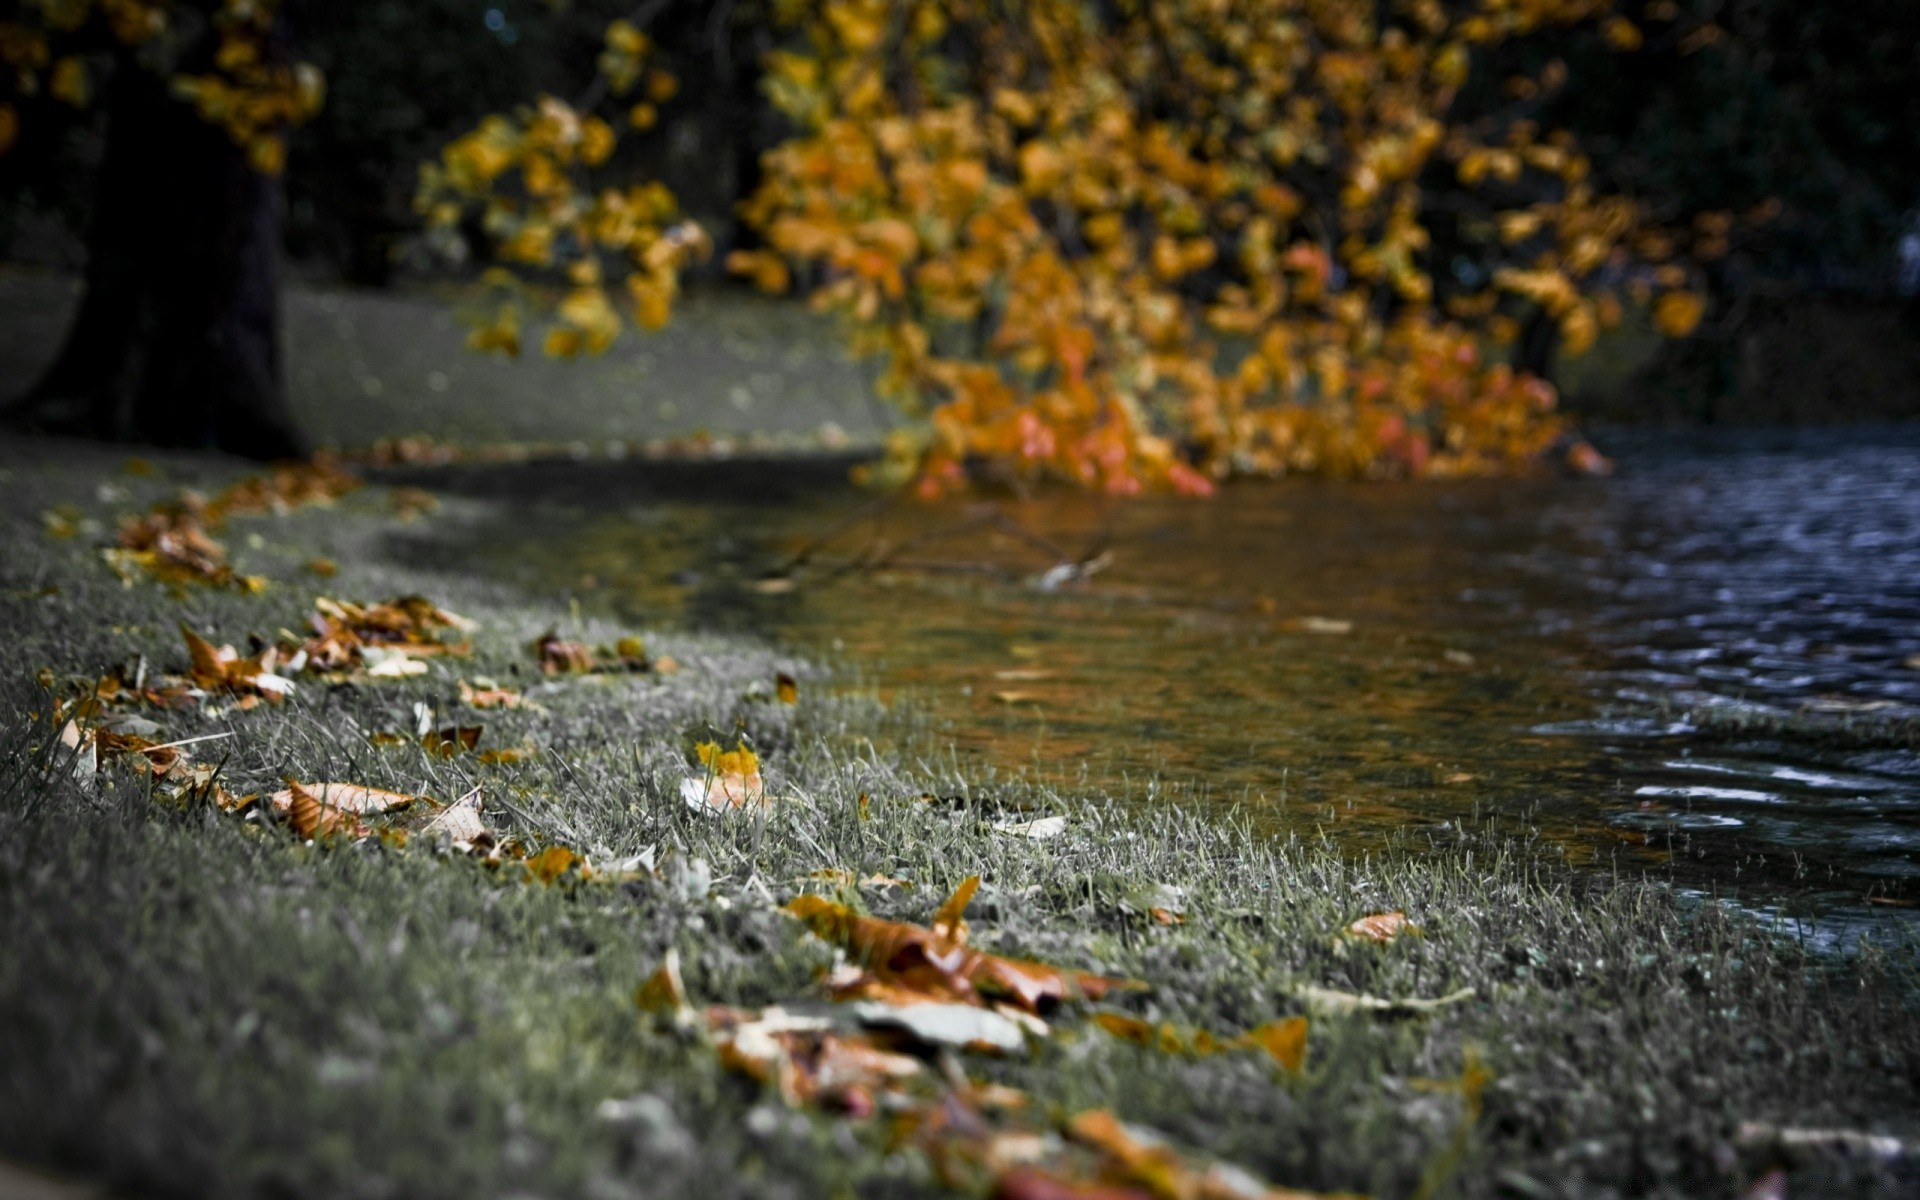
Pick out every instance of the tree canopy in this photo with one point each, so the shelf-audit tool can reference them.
(1125, 244)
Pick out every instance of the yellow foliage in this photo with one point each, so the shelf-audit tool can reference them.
(1129, 246)
(1678, 314)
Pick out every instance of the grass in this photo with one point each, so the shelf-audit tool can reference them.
(195, 1005)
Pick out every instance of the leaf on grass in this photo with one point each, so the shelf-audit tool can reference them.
(384, 663)
(786, 688)
(484, 693)
(898, 957)
(731, 780)
(806, 1060)
(1379, 927)
(1285, 1041)
(1136, 1157)
(348, 635)
(503, 755)
(961, 1026)
(665, 994)
(1037, 830)
(462, 824)
(555, 861)
(353, 798)
(1328, 1002)
(221, 669)
(558, 656)
(454, 739)
(311, 817)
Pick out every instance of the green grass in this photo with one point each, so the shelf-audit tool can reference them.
(196, 1005)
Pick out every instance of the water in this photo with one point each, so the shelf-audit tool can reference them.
(1563, 657)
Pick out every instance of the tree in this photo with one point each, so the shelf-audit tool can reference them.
(1128, 244)
(176, 340)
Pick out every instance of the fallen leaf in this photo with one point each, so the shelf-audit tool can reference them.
(1329, 1002)
(382, 663)
(786, 688)
(461, 824)
(1285, 1041)
(1023, 675)
(1380, 927)
(313, 818)
(485, 694)
(1016, 697)
(732, 780)
(897, 955)
(505, 755)
(325, 568)
(222, 669)
(806, 1061)
(1037, 830)
(554, 861)
(962, 1026)
(454, 739)
(354, 798)
(558, 656)
(665, 994)
(1459, 777)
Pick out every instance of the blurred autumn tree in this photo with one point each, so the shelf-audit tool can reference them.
(1123, 243)
(176, 340)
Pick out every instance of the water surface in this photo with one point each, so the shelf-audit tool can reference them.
(1358, 659)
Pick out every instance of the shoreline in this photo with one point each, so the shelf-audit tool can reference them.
(252, 1012)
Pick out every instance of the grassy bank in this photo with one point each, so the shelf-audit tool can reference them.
(197, 1003)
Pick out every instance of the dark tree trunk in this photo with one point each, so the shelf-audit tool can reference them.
(177, 338)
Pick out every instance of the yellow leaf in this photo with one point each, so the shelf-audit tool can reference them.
(1678, 314)
(1285, 1041)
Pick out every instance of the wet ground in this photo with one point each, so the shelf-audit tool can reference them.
(1573, 659)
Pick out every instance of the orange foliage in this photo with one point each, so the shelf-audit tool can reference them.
(1141, 244)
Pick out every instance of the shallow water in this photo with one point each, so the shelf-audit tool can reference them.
(1360, 659)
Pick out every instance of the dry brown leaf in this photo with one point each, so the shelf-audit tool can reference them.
(807, 1061)
(454, 739)
(730, 780)
(664, 992)
(1285, 1041)
(557, 656)
(462, 824)
(352, 798)
(1380, 928)
(555, 861)
(898, 957)
(484, 694)
(312, 818)
(786, 688)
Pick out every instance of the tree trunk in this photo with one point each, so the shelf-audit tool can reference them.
(177, 339)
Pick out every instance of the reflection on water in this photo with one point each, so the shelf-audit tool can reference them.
(1356, 659)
